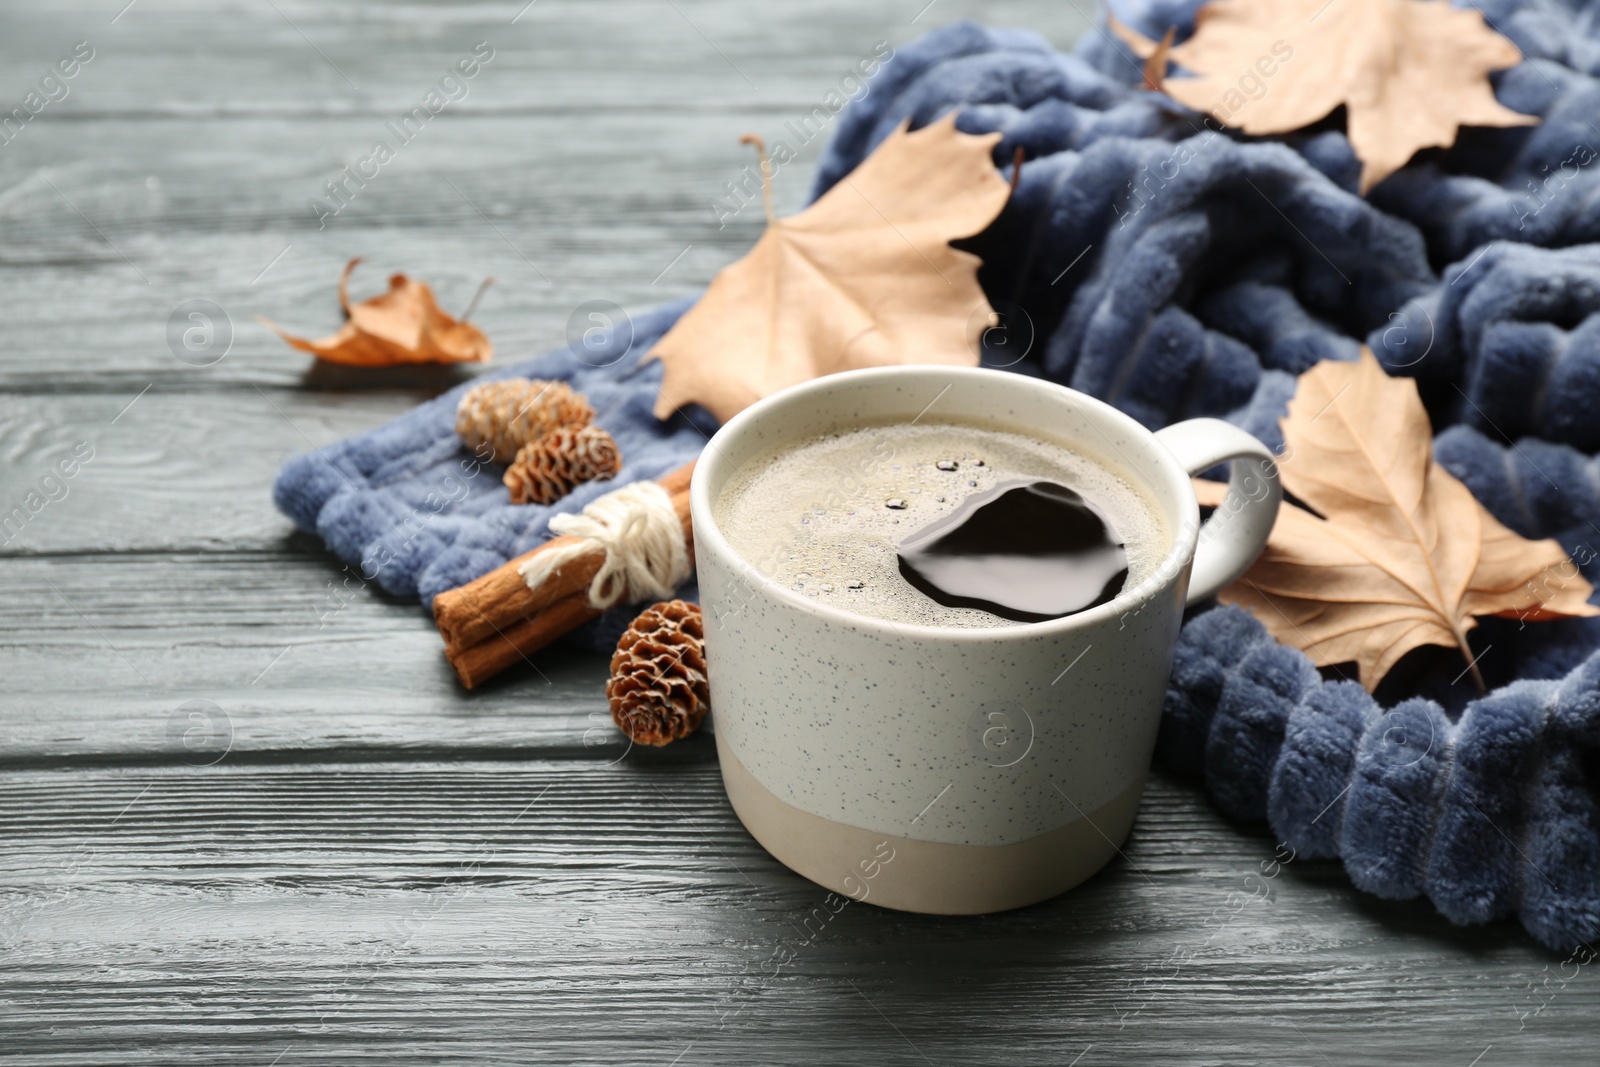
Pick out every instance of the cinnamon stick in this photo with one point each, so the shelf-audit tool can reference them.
(479, 662)
(498, 601)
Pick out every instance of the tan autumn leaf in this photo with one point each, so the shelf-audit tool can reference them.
(1410, 73)
(403, 325)
(1395, 551)
(864, 277)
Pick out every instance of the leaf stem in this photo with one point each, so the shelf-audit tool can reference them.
(472, 305)
(1472, 661)
(1155, 65)
(766, 174)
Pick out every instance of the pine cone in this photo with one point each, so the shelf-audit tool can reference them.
(658, 688)
(559, 462)
(508, 414)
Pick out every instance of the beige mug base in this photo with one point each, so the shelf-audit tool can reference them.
(932, 877)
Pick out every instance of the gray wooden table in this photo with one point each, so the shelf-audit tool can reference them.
(247, 817)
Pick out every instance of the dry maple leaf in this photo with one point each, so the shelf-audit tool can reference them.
(404, 325)
(864, 277)
(1410, 73)
(1398, 553)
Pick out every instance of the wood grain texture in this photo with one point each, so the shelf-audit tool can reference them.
(172, 472)
(101, 652)
(619, 914)
(247, 816)
(181, 163)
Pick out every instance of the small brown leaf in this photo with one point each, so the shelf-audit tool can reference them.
(404, 325)
(1410, 73)
(864, 277)
(1397, 552)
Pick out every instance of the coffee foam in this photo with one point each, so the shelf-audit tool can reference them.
(818, 516)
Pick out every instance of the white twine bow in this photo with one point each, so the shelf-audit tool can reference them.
(639, 532)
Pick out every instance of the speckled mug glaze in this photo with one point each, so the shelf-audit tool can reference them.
(950, 770)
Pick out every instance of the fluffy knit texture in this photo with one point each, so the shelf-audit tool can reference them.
(1489, 814)
(1509, 344)
(1176, 271)
(409, 507)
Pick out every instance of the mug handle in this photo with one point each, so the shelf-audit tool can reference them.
(1235, 534)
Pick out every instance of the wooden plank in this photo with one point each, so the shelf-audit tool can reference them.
(558, 220)
(185, 57)
(167, 471)
(474, 912)
(557, 175)
(279, 655)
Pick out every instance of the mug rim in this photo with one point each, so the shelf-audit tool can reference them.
(1166, 572)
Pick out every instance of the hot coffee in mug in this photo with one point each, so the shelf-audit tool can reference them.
(941, 606)
(943, 523)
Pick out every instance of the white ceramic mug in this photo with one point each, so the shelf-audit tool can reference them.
(950, 770)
